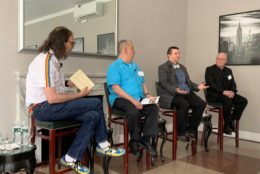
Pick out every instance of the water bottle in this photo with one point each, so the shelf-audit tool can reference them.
(17, 133)
(25, 135)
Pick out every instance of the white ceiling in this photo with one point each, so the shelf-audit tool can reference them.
(38, 8)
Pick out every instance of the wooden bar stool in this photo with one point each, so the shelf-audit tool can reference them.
(53, 132)
(172, 113)
(218, 108)
(118, 117)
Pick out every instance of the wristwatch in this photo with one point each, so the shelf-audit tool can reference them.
(147, 93)
(66, 83)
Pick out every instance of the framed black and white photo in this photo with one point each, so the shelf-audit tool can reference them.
(79, 45)
(106, 44)
(239, 37)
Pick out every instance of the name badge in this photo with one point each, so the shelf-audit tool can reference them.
(140, 73)
(229, 77)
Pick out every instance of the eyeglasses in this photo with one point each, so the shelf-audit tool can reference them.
(72, 43)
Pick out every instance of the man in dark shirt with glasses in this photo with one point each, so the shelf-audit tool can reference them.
(223, 89)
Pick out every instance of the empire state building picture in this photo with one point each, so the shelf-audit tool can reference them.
(239, 37)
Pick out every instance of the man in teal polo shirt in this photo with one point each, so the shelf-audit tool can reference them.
(127, 87)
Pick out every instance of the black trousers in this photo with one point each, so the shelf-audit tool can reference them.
(150, 112)
(238, 102)
(183, 103)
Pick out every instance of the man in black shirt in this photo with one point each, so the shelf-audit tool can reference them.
(223, 89)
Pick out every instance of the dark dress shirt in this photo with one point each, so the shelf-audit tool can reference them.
(218, 81)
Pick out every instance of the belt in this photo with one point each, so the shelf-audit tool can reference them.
(32, 107)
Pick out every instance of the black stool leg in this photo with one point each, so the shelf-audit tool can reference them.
(106, 159)
(30, 165)
(105, 164)
(164, 136)
(208, 130)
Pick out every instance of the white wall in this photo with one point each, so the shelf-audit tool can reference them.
(152, 25)
(202, 47)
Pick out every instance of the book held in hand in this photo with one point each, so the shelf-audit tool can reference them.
(152, 100)
(81, 80)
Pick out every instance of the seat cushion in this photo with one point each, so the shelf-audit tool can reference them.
(57, 124)
(118, 113)
(215, 104)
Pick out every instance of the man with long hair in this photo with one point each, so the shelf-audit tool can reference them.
(46, 98)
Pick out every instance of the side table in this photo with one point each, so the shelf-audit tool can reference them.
(17, 159)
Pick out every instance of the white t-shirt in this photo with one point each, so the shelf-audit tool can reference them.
(44, 71)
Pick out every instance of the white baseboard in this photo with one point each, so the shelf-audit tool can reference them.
(243, 135)
(251, 136)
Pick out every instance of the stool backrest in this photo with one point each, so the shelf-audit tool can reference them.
(107, 93)
(157, 85)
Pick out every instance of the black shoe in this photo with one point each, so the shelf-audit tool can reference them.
(227, 130)
(134, 147)
(147, 145)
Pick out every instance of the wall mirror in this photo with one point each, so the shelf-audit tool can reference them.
(93, 22)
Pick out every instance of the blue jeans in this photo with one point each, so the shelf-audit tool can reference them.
(87, 111)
